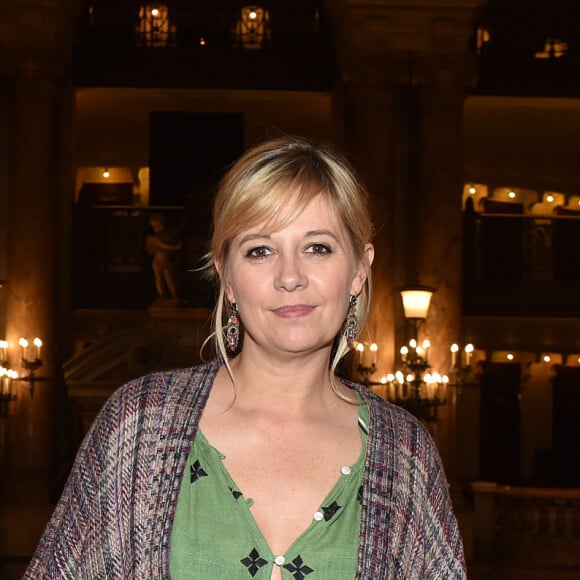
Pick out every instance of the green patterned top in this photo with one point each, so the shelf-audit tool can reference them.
(216, 536)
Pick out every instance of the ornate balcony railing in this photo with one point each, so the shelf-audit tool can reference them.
(268, 44)
(527, 528)
(521, 264)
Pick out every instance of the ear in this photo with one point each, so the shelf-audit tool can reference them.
(362, 270)
(228, 290)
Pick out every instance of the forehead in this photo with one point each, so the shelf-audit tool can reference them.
(316, 214)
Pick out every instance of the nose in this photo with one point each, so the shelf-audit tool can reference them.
(290, 275)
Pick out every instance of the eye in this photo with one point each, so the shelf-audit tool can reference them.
(318, 249)
(259, 252)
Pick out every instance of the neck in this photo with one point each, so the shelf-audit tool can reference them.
(289, 383)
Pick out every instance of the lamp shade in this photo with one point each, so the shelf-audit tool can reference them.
(416, 300)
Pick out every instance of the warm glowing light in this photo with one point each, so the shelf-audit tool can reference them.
(444, 379)
(416, 302)
(384, 379)
(510, 356)
(253, 15)
(410, 377)
(400, 377)
(550, 198)
(426, 344)
(360, 347)
(512, 194)
(373, 347)
(37, 346)
(23, 343)
(454, 351)
(390, 377)
(106, 173)
(472, 190)
(547, 358)
(155, 12)
(413, 343)
(202, 41)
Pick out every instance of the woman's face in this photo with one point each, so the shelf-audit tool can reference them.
(292, 286)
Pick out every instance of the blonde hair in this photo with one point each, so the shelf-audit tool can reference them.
(255, 190)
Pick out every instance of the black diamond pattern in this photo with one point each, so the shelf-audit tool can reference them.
(359, 495)
(237, 494)
(330, 510)
(298, 569)
(196, 471)
(253, 562)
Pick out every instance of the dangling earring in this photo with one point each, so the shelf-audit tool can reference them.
(351, 324)
(233, 329)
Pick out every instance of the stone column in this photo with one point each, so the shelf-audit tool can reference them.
(405, 71)
(368, 137)
(32, 299)
(36, 94)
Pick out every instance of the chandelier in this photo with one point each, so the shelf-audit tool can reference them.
(415, 386)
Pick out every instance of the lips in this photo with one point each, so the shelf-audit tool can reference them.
(294, 311)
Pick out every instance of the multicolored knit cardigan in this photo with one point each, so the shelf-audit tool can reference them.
(115, 515)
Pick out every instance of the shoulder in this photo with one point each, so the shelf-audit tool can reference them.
(173, 384)
(157, 398)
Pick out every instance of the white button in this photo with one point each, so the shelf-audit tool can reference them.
(345, 470)
(279, 560)
(318, 516)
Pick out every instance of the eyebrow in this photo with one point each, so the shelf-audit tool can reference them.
(309, 234)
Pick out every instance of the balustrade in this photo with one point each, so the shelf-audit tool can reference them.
(522, 527)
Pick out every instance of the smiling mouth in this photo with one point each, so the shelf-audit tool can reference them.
(295, 311)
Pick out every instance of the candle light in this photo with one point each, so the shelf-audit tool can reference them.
(37, 346)
(360, 348)
(23, 348)
(3, 350)
(374, 348)
(6, 378)
(3, 381)
(426, 347)
(404, 353)
(468, 354)
(454, 350)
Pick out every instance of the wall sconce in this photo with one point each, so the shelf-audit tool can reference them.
(30, 357)
(415, 386)
(416, 301)
(30, 360)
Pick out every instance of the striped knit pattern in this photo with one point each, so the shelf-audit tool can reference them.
(115, 515)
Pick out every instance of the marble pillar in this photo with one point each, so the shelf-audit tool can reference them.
(32, 298)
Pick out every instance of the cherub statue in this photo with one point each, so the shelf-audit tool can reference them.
(166, 247)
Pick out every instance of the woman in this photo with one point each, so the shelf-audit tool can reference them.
(263, 464)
